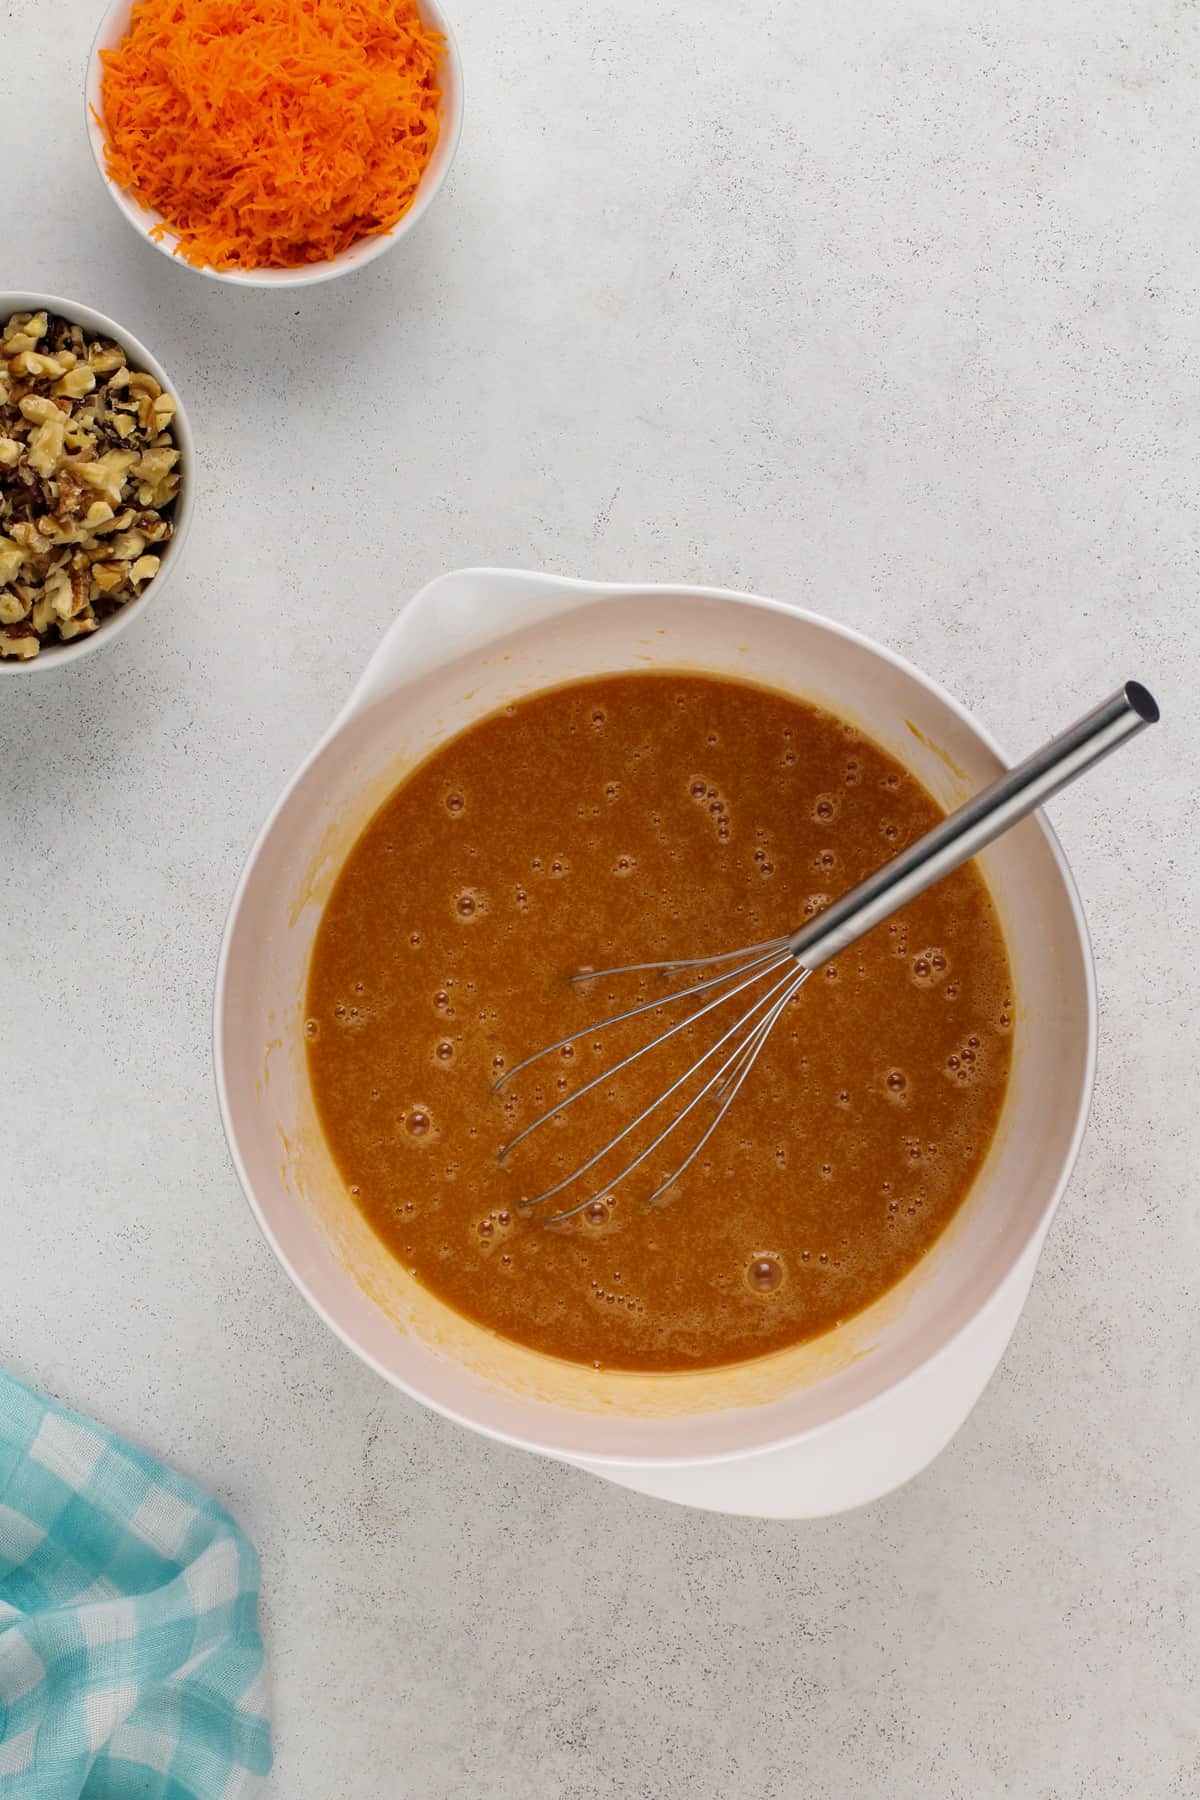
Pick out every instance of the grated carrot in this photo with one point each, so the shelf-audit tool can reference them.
(272, 133)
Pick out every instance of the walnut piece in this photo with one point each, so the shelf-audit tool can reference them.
(88, 479)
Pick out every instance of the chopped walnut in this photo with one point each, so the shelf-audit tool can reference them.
(88, 479)
(18, 640)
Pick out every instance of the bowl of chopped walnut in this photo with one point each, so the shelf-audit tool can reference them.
(95, 481)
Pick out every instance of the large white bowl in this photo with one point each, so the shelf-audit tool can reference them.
(806, 1431)
(112, 29)
(60, 656)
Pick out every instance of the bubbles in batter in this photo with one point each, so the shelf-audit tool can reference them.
(718, 812)
(895, 1086)
(963, 1064)
(898, 933)
(454, 804)
(765, 1274)
(467, 904)
(929, 968)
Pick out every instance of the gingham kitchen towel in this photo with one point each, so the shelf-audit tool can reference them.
(130, 1659)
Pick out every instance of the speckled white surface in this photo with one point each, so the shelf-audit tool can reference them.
(890, 308)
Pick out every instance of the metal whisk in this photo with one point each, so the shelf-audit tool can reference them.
(769, 974)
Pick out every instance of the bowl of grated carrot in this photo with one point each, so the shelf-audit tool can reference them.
(274, 143)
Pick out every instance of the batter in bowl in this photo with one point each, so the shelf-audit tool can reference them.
(613, 820)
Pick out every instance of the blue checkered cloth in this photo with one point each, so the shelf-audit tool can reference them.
(130, 1659)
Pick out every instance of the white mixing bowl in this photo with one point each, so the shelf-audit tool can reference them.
(806, 1431)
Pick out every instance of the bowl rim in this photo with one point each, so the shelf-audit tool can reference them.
(889, 1390)
(360, 253)
(53, 657)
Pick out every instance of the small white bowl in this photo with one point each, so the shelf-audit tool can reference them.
(113, 27)
(57, 656)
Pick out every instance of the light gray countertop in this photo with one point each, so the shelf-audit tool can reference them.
(890, 309)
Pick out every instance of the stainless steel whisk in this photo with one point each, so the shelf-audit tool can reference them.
(778, 968)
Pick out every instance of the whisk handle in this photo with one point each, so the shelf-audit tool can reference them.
(976, 823)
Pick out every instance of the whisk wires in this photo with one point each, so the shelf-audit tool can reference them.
(771, 962)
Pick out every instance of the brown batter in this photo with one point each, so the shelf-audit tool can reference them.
(611, 821)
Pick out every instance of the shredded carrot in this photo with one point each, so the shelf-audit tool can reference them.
(272, 133)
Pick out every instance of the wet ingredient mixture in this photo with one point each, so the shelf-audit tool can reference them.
(634, 817)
